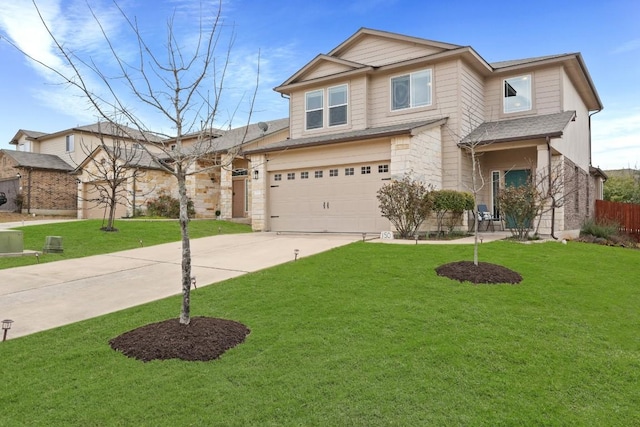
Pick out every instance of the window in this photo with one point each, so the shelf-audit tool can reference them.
(333, 172)
(304, 175)
(337, 105)
(291, 175)
(314, 109)
(318, 174)
(365, 170)
(348, 171)
(411, 90)
(277, 177)
(517, 94)
(383, 168)
(69, 143)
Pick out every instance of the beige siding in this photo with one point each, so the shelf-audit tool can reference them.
(575, 140)
(325, 68)
(547, 91)
(347, 153)
(377, 51)
(356, 116)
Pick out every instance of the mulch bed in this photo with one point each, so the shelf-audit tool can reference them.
(203, 339)
(484, 272)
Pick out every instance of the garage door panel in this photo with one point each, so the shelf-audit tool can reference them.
(342, 203)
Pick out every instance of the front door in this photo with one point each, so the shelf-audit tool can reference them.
(515, 178)
(238, 201)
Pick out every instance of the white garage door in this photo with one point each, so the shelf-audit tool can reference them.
(339, 198)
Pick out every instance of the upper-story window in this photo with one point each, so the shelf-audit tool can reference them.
(314, 109)
(337, 105)
(69, 146)
(517, 94)
(411, 90)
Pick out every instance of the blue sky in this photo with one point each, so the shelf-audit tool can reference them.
(290, 33)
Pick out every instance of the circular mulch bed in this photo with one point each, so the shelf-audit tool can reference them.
(484, 272)
(204, 338)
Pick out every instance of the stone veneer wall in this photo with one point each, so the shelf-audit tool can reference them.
(577, 206)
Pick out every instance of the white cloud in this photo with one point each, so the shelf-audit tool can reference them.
(616, 139)
(629, 46)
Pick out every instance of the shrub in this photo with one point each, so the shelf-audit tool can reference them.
(602, 229)
(406, 203)
(167, 207)
(452, 202)
(520, 207)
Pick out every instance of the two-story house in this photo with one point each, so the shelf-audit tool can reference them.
(382, 105)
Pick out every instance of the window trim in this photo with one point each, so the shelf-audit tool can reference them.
(326, 107)
(411, 92)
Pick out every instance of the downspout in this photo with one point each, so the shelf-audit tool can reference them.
(595, 112)
(553, 198)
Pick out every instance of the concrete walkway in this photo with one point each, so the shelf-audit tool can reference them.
(44, 296)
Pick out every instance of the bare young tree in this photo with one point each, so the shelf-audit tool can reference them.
(183, 85)
(108, 169)
(470, 142)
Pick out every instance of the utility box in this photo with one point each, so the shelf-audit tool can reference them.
(53, 244)
(11, 242)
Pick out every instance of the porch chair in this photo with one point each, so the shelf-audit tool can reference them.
(485, 217)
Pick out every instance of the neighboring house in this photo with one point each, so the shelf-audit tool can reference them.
(138, 178)
(37, 183)
(225, 189)
(45, 160)
(229, 189)
(382, 105)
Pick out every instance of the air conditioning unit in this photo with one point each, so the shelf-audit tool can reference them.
(53, 244)
(11, 242)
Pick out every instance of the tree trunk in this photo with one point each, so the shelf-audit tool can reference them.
(185, 312)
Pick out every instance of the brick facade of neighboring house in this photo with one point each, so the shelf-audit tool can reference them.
(44, 182)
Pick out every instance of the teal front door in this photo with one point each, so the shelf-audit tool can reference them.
(515, 178)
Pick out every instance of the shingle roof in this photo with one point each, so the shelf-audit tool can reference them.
(549, 125)
(38, 161)
(234, 137)
(355, 135)
(513, 62)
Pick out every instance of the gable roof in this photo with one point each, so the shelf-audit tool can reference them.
(363, 32)
(244, 135)
(133, 157)
(355, 135)
(534, 127)
(38, 161)
(29, 134)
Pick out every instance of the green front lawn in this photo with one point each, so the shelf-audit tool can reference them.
(364, 335)
(84, 238)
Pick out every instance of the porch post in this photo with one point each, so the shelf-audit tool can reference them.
(543, 169)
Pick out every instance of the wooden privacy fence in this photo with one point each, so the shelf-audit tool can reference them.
(625, 214)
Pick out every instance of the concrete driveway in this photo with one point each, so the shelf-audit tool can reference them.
(45, 296)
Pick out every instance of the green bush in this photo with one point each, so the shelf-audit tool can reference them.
(602, 229)
(168, 207)
(406, 203)
(452, 202)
